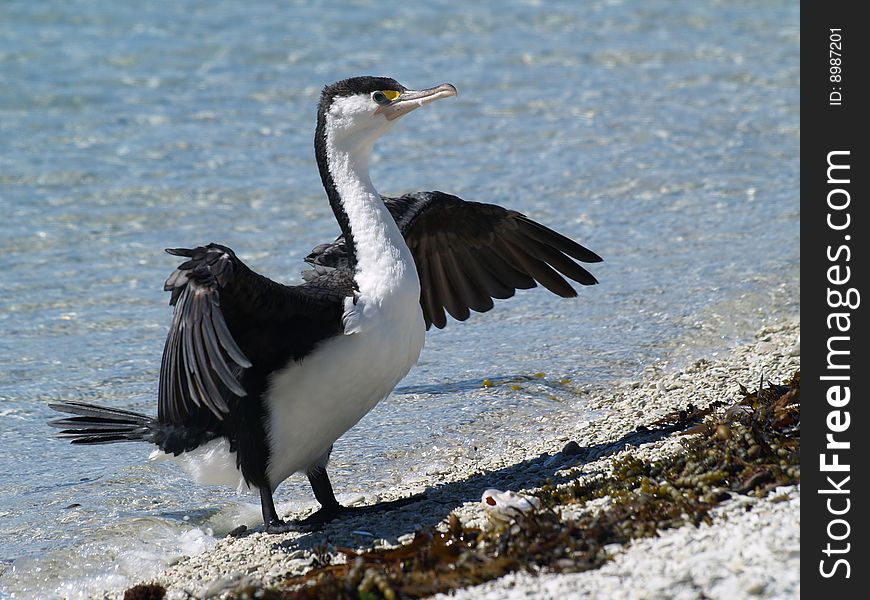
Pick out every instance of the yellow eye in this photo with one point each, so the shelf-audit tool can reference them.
(385, 97)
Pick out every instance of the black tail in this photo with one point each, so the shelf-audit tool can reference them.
(100, 425)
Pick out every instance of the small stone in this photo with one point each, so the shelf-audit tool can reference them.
(572, 448)
(238, 531)
(405, 538)
(351, 499)
(756, 588)
(362, 533)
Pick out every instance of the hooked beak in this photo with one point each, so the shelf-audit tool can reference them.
(411, 99)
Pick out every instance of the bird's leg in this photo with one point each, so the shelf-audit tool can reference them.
(270, 515)
(322, 487)
(330, 508)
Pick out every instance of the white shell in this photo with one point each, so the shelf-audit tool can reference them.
(508, 505)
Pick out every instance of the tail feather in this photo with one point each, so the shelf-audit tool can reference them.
(102, 425)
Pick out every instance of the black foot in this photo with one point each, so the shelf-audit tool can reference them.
(280, 526)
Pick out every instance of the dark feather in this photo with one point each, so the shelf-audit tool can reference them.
(468, 253)
(227, 320)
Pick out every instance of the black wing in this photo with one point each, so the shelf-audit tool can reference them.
(468, 253)
(230, 321)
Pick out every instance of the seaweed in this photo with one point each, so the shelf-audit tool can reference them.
(145, 591)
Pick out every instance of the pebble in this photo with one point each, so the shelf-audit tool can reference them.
(362, 533)
(224, 584)
(572, 448)
(352, 499)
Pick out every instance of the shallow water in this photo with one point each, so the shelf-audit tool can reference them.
(663, 135)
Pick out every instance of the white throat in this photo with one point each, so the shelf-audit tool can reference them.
(384, 265)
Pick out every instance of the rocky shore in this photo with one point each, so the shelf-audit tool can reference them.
(748, 547)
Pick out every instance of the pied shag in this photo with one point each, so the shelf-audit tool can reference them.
(259, 379)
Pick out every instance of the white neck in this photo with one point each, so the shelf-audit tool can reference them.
(384, 263)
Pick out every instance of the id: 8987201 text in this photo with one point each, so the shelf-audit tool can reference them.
(835, 64)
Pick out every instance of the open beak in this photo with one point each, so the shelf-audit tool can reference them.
(411, 99)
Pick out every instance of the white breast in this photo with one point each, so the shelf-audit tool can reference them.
(314, 402)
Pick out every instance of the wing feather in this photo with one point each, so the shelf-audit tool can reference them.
(472, 293)
(478, 270)
(433, 309)
(468, 253)
(560, 262)
(207, 355)
(541, 272)
(444, 287)
(548, 237)
(508, 276)
(216, 360)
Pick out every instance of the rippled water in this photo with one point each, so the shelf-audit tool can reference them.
(663, 135)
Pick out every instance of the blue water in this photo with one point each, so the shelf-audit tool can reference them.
(664, 135)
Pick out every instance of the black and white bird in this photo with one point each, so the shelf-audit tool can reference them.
(259, 379)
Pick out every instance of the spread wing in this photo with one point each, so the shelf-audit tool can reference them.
(231, 323)
(468, 253)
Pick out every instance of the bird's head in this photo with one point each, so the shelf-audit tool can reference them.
(355, 112)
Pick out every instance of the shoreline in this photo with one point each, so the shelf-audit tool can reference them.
(649, 567)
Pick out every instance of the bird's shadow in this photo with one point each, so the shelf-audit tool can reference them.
(437, 502)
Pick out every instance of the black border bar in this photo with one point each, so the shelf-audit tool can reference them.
(835, 421)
